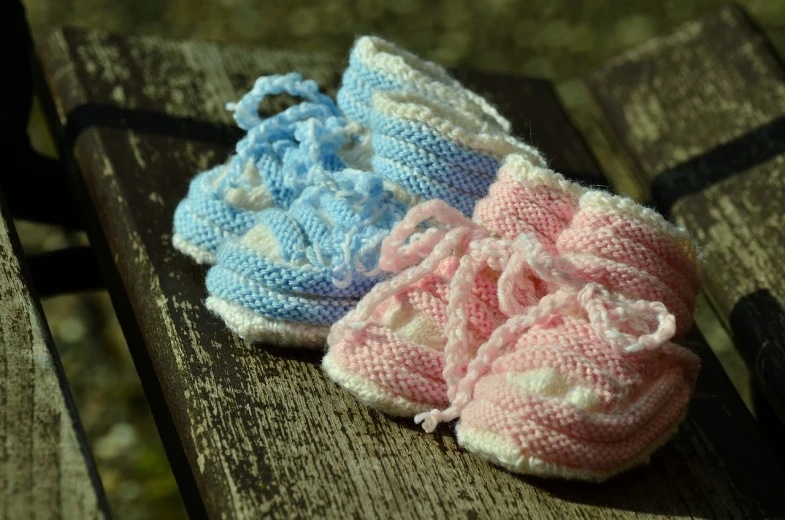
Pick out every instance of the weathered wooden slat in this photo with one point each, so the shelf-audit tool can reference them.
(702, 114)
(46, 470)
(262, 430)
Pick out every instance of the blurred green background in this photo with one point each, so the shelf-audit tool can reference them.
(559, 40)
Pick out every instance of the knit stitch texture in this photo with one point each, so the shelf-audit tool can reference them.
(271, 166)
(377, 65)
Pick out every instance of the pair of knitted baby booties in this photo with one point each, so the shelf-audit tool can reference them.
(450, 272)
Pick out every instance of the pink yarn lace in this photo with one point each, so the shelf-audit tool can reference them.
(628, 325)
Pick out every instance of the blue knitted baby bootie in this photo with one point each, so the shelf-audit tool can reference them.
(272, 162)
(308, 264)
(271, 166)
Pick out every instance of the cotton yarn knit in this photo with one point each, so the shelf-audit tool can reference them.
(526, 323)
(377, 65)
(435, 151)
(590, 394)
(271, 165)
(312, 263)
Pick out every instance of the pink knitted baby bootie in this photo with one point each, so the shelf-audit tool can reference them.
(390, 351)
(586, 384)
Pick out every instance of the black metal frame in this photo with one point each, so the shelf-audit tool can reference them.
(36, 188)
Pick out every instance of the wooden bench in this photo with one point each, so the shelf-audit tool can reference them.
(251, 430)
(45, 466)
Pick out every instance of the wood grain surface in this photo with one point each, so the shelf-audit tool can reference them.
(702, 114)
(256, 431)
(46, 470)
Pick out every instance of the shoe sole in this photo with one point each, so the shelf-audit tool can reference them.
(258, 329)
(371, 394)
(499, 451)
(201, 256)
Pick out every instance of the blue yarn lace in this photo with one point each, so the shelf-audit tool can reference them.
(304, 135)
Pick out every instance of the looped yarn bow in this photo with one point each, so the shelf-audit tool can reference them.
(246, 111)
(626, 324)
(302, 136)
